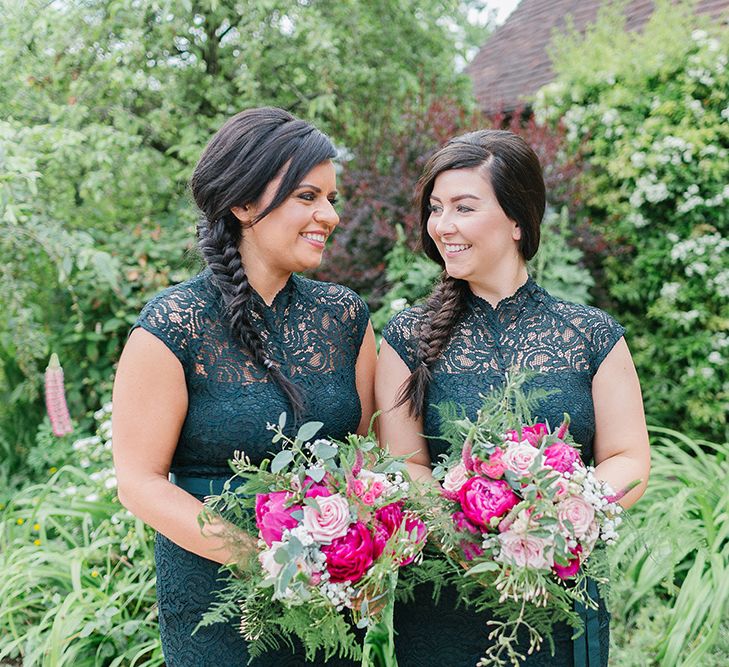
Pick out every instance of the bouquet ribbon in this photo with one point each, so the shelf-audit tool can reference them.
(379, 642)
(586, 647)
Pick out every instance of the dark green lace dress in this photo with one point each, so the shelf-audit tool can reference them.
(566, 343)
(314, 331)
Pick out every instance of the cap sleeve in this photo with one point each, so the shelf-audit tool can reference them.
(605, 333)
(401, 335)
(358, 314)
(171, 317)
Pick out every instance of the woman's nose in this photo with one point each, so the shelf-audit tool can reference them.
(444, 225)
(327, 214)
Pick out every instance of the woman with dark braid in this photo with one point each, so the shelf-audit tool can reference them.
(481, 200)
(211, 361)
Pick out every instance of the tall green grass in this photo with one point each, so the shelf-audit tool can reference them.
(671, 591)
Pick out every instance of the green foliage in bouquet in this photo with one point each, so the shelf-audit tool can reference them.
(650, 112)
(672, 595)
(78, 585)
(278, 606)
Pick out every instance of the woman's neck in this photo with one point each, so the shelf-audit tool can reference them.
(494, 288)
(265, 282)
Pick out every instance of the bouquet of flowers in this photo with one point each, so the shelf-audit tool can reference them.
(334, 529)
(521, 513)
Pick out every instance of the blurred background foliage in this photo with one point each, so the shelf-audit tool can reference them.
(105, 106)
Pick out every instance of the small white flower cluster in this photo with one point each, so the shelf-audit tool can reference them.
(692, 199)
(703, 255)
(648, 189)
(395, 484)
(596, 492)
(340, 595)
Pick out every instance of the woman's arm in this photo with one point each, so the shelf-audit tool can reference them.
(622, 452)
(395, 427)
(149, 408)
(365, 378)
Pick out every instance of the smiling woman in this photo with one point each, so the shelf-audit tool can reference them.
(211, 361)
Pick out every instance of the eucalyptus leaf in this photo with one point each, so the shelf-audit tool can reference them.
(317, 474)
(324, 451)
(488, 566)
(308, 431)
(282, 421)
(281, 460)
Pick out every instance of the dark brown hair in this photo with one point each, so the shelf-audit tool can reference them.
(515, 175)
(243, 157)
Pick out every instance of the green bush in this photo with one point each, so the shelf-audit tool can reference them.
(650, 111)
(671, 587)
(78, 585)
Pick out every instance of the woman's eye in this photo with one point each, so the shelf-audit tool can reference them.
(434, 208)
(333, 200)
(307, 196)
(464, 209)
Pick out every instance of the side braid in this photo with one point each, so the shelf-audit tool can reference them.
(219, 244)
(443, 309)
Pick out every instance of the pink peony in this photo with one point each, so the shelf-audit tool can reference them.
(348, 557)
(525, 550)
(387, 523)
(330, 521)
(519, 457)
(455, 478)
(579, 513)
(494, 467)
(532, 434)
(482, 499)
(569, 570)
(561, 457)
(272, 515)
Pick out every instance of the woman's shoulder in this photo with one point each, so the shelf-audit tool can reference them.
(191, 295)
(404, 326)
(588, 320)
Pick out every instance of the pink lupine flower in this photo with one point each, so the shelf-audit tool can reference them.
(358, 461)
(56, 398)
(466, 456)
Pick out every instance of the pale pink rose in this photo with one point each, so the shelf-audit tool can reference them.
(519, 457)
(455, 478)
(268, 562)
(579, 513)
(494, 467)
(524, 550)
(358, 487)
(561, 457)
(331, 521)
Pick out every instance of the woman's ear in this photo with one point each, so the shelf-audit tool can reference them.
(243, 213)
(516, 231)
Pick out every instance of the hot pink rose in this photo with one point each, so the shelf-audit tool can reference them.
(569, 570)
(349, 557)
(330, 521)
(377, 488)
(494, 467)
(532, 434)
(359, 487)
(525, 550)
(519, 457)
(387, 523)
(481, 499)
(455, 478)
(272, 515)
(561, 457)
(579, 513)
(369, 498)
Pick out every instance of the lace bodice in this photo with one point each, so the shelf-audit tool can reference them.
(312, 330)
(564, 342)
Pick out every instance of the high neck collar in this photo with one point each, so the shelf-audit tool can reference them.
(509, 305)
(280, 300)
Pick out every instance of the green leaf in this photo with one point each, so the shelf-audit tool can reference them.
(282, 421)
(317, 474)
(308, 431)
(281, 460)
(324, 451)
(488, 566)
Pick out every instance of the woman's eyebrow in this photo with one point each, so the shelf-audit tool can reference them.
(458, 197)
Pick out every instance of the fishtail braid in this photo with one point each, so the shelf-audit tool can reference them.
(442, 311)
(219, 243)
